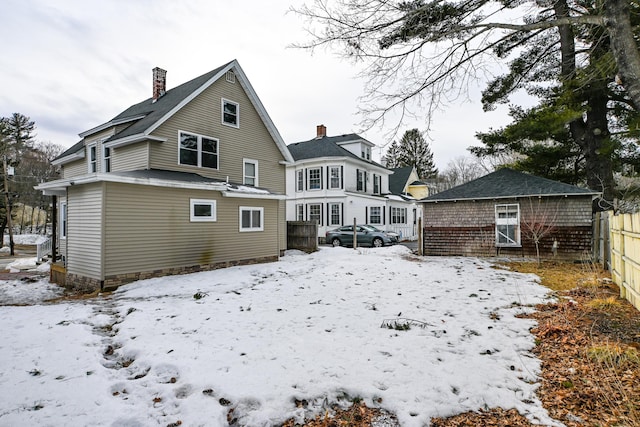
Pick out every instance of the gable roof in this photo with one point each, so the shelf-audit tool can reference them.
(147, 115)
(327, 146)
(398, 181)
(508, 183)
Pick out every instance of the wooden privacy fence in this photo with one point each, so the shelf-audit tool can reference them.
(302, 235)
(625, 255)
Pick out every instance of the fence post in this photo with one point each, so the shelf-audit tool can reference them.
(355, 234)
(420, 237)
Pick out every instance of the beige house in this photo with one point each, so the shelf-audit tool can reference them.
(190, 179)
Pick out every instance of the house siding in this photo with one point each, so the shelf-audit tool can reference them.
(150, 231)
(251, 140)
(130, 157)
(75, 168)
(84, 231)
(468, 227)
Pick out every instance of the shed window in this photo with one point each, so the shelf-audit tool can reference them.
(508, 225)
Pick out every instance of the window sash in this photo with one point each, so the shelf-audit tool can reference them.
(63, 220)
(251, 218)
(203, 210)
(334, 214)
(507, 225)
(299, 180)
(230, 113)
(334, 177)
(315, 213)
(299, 212)
(375, 215)
(93, 158)
(250, 171)
(315, 179)
(398, 215)
(106, 159)
(197, 150)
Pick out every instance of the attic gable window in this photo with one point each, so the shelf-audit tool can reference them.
(508, 225)
(198, 150)
(230, 113)
(230, 77)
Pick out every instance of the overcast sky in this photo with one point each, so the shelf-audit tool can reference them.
(71, 65)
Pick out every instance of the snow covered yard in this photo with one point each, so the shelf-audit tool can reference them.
(321, 328)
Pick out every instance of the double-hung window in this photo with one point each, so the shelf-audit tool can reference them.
(250, 168)
(106, 159)
(508, 225)
(398, 215)
(376, 184)
(198, 150)
(315, 213)
(361, 180)
(315, 178)
(63, 220)
(300, 180)
(300, 212)
(251, 218)
(335, 177)
(335, 216)
(230, 113)
(92, 158)
(375, 216)
(203, 210)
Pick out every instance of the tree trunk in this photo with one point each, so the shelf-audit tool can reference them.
(617, 20)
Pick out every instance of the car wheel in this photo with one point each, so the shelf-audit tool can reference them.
(377, 243)
(335, 242)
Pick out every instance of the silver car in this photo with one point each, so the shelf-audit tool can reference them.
(366, 235)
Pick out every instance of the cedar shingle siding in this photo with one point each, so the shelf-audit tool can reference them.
(468, 227)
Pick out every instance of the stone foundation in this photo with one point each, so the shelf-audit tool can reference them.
(87, 285)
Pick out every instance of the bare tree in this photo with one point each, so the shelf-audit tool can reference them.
(458, 171)
(538, 220)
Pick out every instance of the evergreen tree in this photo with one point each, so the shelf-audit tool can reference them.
(412, 150)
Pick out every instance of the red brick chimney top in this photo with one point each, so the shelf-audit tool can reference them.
(159, 83)
(321, 131)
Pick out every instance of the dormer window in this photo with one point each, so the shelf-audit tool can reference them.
(230, 113)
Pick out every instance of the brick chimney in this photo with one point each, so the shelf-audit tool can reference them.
(321, 131)
(159, 83)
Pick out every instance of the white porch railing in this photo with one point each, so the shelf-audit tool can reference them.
(43, 248)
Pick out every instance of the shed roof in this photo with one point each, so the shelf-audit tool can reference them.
(508, 183)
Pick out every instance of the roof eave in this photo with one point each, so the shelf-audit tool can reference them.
(109, 124)
(466, 199)
(68, 158)
(120, 142)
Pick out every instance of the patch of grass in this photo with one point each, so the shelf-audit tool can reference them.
(611, 354)
(605, 304)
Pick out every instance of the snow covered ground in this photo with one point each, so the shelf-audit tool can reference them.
(318, 329)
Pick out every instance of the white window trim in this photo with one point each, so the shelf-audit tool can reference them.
(250, 209)
(93, 145)
(315, 205)
(244, 171)
(64, 219)
(300, 180)
(319, 169)
(199, 150)
(105, 158)
(330, 219)
(371, 215)
(508, 221)
(194, 218)
(299, 212)
(224, 101)
(331, 169)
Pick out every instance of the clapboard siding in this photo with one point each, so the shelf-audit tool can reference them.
(149, 229)
(84, 230)
(75, 168)
(251, 140)
(131, 157)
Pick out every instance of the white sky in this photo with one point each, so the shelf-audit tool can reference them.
(71, 65)
(308, 327)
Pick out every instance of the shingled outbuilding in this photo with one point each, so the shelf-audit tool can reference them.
(506, 213)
